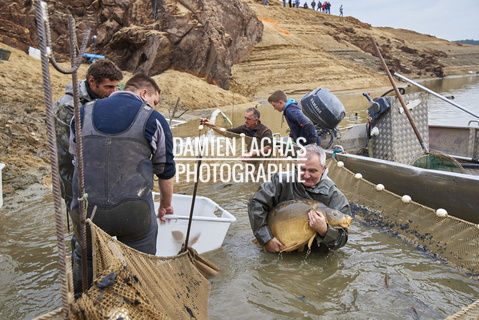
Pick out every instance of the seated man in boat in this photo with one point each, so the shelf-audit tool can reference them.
(252, 127)
(125, 143)
(301, 128)
(314, 185)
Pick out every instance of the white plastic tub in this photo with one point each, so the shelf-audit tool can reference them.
(208, 229)
(1, 185)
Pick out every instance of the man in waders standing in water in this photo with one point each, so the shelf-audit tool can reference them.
(125, 142)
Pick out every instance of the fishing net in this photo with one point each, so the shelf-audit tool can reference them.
(133, 285)
(469, 312)
(437, 161)
(453, 240)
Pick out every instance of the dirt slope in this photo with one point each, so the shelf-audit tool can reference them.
(305, 49)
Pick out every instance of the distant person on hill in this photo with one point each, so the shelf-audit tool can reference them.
(265, 2)
(313, 4)
(319, 5)
(305, 5)
(341, 11)
(297, 3)
(101, 80)
(284, 3)
(290, 3)
(328, 7)
(302, 130)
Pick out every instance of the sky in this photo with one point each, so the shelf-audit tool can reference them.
(445, 19)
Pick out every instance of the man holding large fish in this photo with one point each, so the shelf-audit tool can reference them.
(319, 210)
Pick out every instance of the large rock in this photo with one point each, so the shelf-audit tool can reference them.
(203, 37)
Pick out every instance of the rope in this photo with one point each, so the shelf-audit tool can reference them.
(41, 18)
(76, 61)
(45, 48)
(469, 312)
(51, 315)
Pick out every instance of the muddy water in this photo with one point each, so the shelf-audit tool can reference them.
(375, 276)
(346, 284)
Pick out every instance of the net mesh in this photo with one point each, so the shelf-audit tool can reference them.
(133, 285)
(437, 161)
(449, 238)
(453, 240)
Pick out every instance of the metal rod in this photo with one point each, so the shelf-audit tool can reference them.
(193, 199)
(436, 94)
(475, 160)
(403, 104)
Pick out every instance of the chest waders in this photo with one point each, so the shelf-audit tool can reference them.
(118, 180)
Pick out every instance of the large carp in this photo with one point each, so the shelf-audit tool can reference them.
(289, 222)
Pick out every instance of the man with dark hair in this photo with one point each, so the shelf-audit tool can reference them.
(301, 128)
(102, 78)
(252, 127)
(125, 143)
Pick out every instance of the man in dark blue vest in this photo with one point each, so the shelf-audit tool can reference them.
(125, 143)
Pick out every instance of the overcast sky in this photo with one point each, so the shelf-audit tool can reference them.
(446, 19)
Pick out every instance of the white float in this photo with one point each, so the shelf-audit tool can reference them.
(406, 199)
(441, 213)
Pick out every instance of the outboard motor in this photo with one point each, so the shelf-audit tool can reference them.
(325, 111)
(381, 105)
(378, 107)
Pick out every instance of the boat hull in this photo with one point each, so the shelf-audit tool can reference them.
(455, 192)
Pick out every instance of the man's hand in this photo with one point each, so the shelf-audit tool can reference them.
(207, 122)
(250, 154)
(164, 210)
(317, 222)
(274, 245)
(166, 194)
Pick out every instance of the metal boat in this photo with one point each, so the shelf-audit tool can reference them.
(385, 149)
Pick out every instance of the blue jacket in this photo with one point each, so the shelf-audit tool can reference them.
(299, 124)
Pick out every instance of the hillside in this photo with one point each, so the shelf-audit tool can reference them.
(305, 49)
(300, 51)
